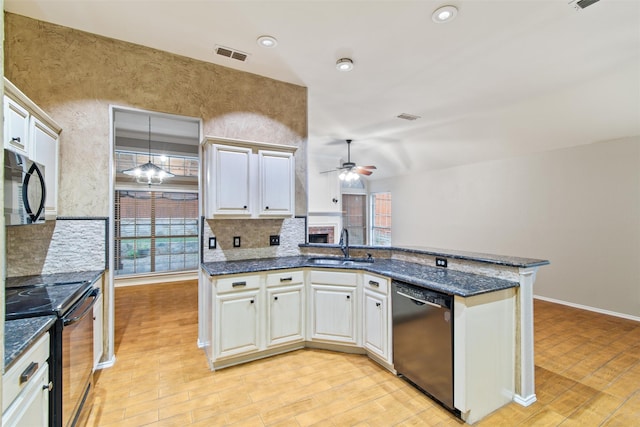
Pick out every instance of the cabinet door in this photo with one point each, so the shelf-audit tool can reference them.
(333, 313)
(31, 407)
(285, 314)
(376, 323)
(97, 331)
(44, 150)
(16, 127)
(232, 180)
(276, 183)
(236, 323)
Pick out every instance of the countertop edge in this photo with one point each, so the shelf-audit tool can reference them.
(21, 334)
(509, 261)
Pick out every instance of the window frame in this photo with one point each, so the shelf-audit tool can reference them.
(372, 218)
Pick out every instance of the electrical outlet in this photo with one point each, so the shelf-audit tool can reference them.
(441, 262)
(236, 241)
(274, 240)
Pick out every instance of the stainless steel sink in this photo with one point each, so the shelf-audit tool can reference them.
(340, 261)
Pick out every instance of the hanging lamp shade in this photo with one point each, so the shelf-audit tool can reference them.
(148, 173)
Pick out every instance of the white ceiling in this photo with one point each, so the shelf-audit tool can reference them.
(506, 77)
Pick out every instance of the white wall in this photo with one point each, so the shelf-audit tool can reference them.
(578, 207)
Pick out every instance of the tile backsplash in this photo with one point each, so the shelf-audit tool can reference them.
(254, 238)
(67, 244)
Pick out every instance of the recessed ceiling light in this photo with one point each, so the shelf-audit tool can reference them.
(444, 14)
(344, 64)
(267, 41)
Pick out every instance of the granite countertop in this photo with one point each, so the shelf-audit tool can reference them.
(434, 278)
(20, 334)
(54, 279)
(506, 260)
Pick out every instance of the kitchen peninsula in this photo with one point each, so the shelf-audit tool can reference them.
(249, 309)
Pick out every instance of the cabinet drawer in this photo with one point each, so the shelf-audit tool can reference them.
(26, 367)
(334, 278)
(285, 278)
(376, 283)
(237, 283)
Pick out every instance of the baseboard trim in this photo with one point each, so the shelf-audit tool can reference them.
(525, 401)
(588, 308)
(154, 279)
(106, 364)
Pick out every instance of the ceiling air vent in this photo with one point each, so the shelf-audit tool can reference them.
(581, 4)
(232, 53)
(406, 116)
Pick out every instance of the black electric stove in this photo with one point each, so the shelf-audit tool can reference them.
(71, 352)
(43, 299)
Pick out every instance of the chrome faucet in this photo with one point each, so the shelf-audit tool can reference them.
(344, 242)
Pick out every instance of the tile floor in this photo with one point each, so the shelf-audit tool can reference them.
(587, 374)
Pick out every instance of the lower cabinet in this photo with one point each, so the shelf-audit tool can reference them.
(285, 317)
(377, 316)
(236, 323)
(25, 394)
(333, 306)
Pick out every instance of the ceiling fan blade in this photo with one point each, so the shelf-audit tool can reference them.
(368, 167)
(363, 172)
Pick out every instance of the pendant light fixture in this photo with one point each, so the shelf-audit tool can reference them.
(148, 173)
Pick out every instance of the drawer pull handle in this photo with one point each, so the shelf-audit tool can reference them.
(16, 139)
(238, 284)
(377, 304)
(374, 283)
(48, 387)
(286, 279)
(28, 373)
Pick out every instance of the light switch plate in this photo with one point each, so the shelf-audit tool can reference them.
(236, 241)
(212, 242)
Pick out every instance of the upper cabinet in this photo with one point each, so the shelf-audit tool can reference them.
(245, 179)
(16, 126)
(29, 131)
(276, 183)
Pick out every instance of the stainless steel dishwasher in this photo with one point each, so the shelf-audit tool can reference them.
(423, 339)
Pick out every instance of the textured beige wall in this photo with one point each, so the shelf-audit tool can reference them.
(75, 76)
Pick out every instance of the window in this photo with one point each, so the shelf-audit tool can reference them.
(155, 231)
(381, 219)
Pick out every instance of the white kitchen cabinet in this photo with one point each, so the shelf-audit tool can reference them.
(98, 325)
(285, 315)
(333, 306)
(237, 323)
(44, 150)
(246, 179)
(231, 183)
(16, 127)
(25, 392)
(377, 314)
(276, 183)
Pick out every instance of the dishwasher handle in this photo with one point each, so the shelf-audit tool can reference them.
(419, 300)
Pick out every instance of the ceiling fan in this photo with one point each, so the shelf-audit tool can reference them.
(350, 170)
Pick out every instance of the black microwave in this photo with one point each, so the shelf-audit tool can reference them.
(24, 190)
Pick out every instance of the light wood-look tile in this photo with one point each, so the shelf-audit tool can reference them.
(587, 374)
